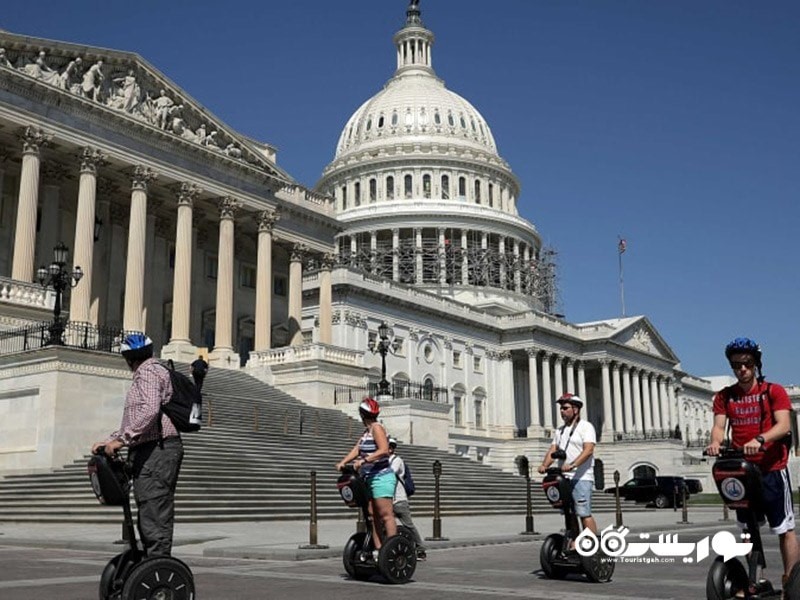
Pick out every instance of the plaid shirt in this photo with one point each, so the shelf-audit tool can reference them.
(150, 389)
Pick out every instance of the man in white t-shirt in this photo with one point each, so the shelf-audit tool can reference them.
(401, 508)
(577, 438)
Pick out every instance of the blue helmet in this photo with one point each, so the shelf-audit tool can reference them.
(743, 345)
(136, 346)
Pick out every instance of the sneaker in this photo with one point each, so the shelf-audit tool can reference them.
(375, 555)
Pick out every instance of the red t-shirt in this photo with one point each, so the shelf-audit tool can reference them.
(746, 414)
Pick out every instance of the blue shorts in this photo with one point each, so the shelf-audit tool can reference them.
(778, 509)
(582, 495)
(383, 485)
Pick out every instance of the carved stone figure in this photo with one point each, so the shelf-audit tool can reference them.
(127, 95)
(69, 79)
(38, 69)
(93, 81)
(163, 105)
(4, 62)
(233, 151)
(200, 134)
(211, 141)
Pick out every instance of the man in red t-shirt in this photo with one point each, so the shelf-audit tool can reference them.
(759, 415)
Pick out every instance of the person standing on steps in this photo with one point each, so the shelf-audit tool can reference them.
(199, 370)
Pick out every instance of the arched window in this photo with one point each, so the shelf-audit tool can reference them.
(427, 389)
(373, 190)
(380, 122)
(357, 193)
(491, 195)
(344, 197)
(407, 186)
(458, 409)
(479, 424)
(462, 188)
(394, 118)
(450, 120)
(463, 122)
(477, 191)
(426, 186)
(369, 123)
(390, 188)
(445, 187)
(437, 118)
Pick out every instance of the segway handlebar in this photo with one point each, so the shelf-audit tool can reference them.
(731, 452)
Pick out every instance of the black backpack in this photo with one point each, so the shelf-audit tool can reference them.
(408, 481)
(185, 408)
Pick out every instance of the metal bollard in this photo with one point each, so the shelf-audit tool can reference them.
(437, 519)
(685, 508)
(725, 515)
(617, 499)
(312, 525)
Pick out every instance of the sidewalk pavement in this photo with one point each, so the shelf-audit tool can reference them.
(283, 540)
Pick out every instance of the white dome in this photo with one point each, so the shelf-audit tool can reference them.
(415, 107)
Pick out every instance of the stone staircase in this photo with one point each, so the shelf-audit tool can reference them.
(252, 462)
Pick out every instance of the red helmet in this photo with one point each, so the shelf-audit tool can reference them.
(369, 407)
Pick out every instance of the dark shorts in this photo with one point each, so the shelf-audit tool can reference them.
(778, 509)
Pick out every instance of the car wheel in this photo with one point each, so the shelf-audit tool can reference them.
(661, 501)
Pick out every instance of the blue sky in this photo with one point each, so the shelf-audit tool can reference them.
(672, 123)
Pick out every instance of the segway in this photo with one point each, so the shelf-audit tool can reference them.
(132, 575)
(556, 557)
(739, 485)
(397, 557)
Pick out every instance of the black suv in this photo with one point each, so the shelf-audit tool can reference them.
(663, 491)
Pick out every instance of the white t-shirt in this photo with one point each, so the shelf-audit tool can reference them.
(572, 442)
(399, 468)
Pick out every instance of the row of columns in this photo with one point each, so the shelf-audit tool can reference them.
(553, 387)
(33, 139)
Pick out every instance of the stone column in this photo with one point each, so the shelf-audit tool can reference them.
(518, 272)
(442, 259)
(52, 177)
(638, 420)
(501, 250)
(617, 400)
(223, 326)
(526, 275)
(373, 249)
(180, 344)
(263, 327)
(418, 255)
(674, 413)
(91, 159)
(582, 388)
(533, 385)
(504, 382)
(626, 395)
(298, 253)
(22, 268)
(666, 422)
(607, 414)
(648, 415)
(464, 259)
(137, 235)
(325, 300)
(547, 395)
(657, 423)
(558, 375)
(571, 377)
(395, 254)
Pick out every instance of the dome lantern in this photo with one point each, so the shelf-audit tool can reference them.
(414, 43)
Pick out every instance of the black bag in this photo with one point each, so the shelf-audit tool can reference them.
(408, 482)
(185, 408)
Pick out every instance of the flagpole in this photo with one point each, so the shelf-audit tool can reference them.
(620, 252)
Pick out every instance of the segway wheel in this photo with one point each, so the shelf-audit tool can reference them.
(107, 578)
(406, 533)
(159, 578)
(397, 559)
(599, 567)
(792, 587)
(350, 557)
(551, 550)
(726, 579)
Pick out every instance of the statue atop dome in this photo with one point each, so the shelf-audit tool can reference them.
(413, 13)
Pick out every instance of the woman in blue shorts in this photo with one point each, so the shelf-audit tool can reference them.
(371, 458)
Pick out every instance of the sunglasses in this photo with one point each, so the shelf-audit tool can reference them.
(737, 364)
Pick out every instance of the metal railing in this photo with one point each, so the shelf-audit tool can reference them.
(58, 333)
(346, 394)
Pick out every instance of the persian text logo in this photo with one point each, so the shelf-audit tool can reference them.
(613, 543)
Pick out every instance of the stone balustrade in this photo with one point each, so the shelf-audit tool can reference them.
(26, 294)
(292, 354)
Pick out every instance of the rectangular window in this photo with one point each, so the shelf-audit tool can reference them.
(476, 363)
(247, 276)
(458, 412)
(211, 266)
(462, 188)
(398, 344)
(390, 188)
(426, 186)
(279, 285)
(445, 187)
(357, 193)
(407, 185)
(456, 359)
(373, 190)
(479, 413)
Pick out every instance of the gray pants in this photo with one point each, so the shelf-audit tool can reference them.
(155, 474)
(403, 514)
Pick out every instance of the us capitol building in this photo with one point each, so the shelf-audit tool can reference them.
(192, 232)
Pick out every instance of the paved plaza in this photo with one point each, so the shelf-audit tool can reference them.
(483, 557)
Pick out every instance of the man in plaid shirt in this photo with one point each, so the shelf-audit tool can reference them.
(154, 445)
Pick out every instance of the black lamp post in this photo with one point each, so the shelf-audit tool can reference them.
(60, 279)
(382, 346)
